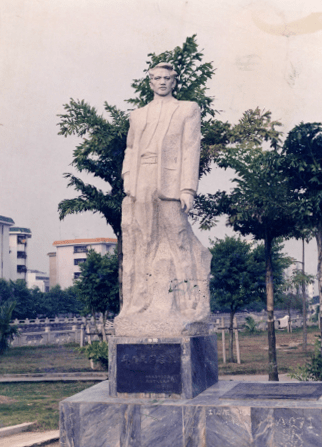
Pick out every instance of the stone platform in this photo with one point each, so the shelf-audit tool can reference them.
(214, 418)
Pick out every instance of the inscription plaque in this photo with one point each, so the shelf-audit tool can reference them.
(148, 368)
(262, 391)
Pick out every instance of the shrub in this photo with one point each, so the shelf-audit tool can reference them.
(7, 331)
(98, 352)
(312, 370)
(251, 325)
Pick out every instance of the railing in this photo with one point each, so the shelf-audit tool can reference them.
(43, 331)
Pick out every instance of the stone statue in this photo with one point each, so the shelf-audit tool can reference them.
(165, 267)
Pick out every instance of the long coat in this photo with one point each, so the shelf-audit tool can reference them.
(178, 155)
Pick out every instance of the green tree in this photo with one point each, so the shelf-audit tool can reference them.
(97, 287)
(232, 280)
(101, 150)
(300, 279)
(25, 306)
(58, 301)
(238, 275)
(5, 291)
(7, 331)
(302, 166)
(260, 203)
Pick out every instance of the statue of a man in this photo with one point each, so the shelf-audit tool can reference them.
(165, 267)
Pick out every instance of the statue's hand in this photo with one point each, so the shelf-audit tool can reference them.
(126, 183)
(186, 200)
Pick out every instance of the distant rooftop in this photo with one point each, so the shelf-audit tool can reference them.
(7, 220)
(97, 240)
(20, 230)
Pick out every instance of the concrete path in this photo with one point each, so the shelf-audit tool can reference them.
(29, 439)
(53, 377)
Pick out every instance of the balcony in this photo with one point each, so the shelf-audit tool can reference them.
(79, 261)
(80, 249)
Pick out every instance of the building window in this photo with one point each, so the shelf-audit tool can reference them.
(79, 261)
(76, 275)
(21, 255)
(21, 268)
(80, 249)
(22, 240)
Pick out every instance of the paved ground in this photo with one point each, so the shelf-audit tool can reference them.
(29, 439)
(53, 377)
(256, 378)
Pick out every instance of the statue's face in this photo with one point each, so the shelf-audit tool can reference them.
(162, 84)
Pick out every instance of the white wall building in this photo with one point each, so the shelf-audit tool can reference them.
(18, 243)
(64, 263)
(36, 278)
(5, 224)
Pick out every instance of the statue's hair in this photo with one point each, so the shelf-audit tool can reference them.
(165, 65)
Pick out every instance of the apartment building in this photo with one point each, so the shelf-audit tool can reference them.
(5, 224)
(64, 262)
(18, 246)
(36, 278)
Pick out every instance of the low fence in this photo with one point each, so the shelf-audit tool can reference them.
(58, 331)
(82, 330)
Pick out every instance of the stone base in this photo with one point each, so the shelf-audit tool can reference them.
(152, 324)
(177, 367)
(94, 419)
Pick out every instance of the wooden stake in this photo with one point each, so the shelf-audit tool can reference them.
(237, 341)
(223, 340)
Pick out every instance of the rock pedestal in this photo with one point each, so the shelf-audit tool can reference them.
(268, 417)
(177, 367)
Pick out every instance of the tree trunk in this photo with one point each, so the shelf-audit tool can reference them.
(318, 236)
(304, 300)
(272, 362)
(120, 259)
(289, 319)
(231, 337)
(103, 328)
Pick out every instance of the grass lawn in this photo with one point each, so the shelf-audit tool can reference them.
(254, 352)
(38, 401)
(44, 359)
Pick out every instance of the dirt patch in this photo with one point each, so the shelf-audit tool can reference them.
(7, 400)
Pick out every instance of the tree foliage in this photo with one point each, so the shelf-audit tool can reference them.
(7, 331)
(97, 286)
(33, 303)
(302, 165)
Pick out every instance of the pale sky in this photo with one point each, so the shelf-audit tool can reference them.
(267, 54)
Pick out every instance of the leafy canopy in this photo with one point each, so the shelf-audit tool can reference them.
(302, 165)
(260, 203)
(238, 273)
(97, 286)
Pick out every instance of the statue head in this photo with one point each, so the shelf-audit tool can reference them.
(162, 79)
(164, 65)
